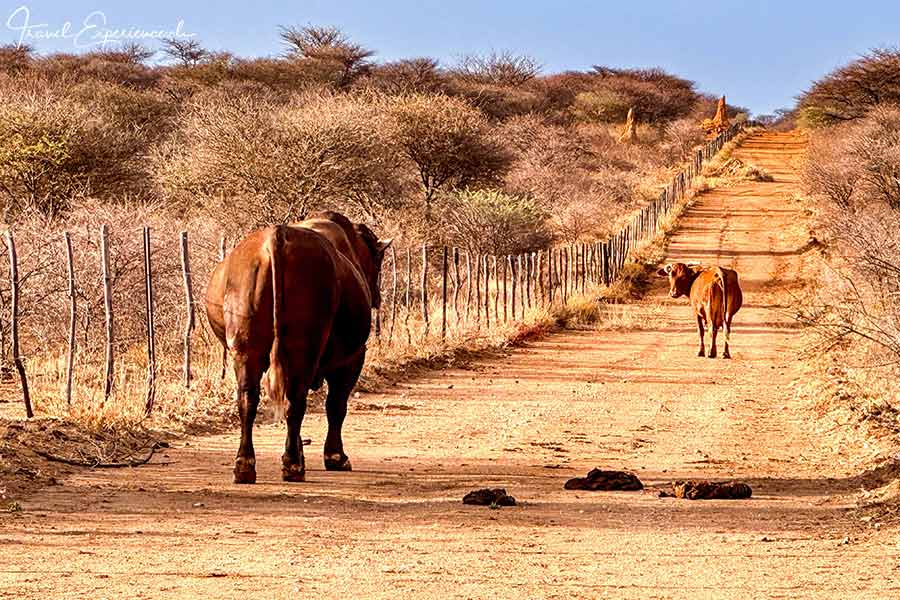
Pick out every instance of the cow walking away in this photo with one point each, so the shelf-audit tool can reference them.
(297, 300)
(715, 295)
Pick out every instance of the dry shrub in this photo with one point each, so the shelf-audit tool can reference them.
(407, 76)
(63, 142)
(604, 105)
(110, 66)
(493, 222)
(496, 101)
(857, 164)
(681, 137)
(497, 68)
(448, 142)
(830, 170)
(655, 96)
(860, 294)
(15, 58)
(265, 162)
(854, 171)
(632, 284)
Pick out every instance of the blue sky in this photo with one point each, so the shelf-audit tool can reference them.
(760, 54)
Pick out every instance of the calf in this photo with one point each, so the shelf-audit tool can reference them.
(715, 295)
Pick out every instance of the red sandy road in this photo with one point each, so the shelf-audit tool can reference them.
(395, 527)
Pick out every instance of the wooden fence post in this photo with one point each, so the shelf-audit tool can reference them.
(109, 373)
(151, 325)
(70, 351)
(521, 285)
(604, 263)
(468, 283)
(425, 289)
(505, 288)
(14, 320)
(378, 314)
(188, 305)
(583, 268)
(512, 271)
(539, 284)
(551, 271)
(393, 293)
(456, 285)
(408, 295)
(487, 295)
(444, 296)
(528, 269)
(496, 289)
(477, 289)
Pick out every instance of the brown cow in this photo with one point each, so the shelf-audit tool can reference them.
(715, 295)
(297, 300)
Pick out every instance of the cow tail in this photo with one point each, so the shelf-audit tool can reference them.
(720, 273)
(276, 376)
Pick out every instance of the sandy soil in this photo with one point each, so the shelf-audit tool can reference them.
(636, 399)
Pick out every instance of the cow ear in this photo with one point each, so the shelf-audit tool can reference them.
(665, 271)
(384, 245)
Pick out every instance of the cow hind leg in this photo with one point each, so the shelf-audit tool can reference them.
(340, 384)
(714, 330)
(701, 330)
(248, 373)
(293, 463)
(727, 330)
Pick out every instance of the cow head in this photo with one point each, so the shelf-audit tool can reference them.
(681, 278)
(366, 249)
(376, 249)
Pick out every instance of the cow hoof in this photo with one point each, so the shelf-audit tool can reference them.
(701, 353)
(337, 462)
(293, 473)
(245, 470)
(712, 355)
(726, 355)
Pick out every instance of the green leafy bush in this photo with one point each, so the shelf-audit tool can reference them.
(490, 221)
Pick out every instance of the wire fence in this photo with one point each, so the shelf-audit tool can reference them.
(430, 293)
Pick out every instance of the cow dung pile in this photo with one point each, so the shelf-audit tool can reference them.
(708, 490)
(606, 481)
(489, 497)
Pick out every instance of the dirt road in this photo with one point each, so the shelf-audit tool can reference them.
(636, 398)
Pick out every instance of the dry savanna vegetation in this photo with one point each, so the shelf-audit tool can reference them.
(488, 155)
(853, 171)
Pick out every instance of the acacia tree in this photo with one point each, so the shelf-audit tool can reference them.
(187, 53)
(450, 144)
(327, 49)
(503, 68)
(849, 92)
